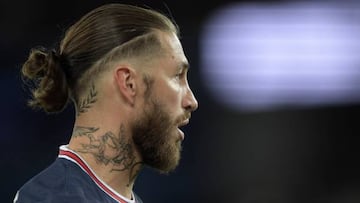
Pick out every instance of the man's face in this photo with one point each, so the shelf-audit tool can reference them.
(168, 103)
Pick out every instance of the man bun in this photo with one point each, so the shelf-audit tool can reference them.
(50, 90)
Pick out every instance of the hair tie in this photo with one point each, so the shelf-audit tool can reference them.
(61, 60)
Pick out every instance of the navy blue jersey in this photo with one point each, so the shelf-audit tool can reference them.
(69, 179)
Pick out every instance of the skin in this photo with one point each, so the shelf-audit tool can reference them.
(125, 121)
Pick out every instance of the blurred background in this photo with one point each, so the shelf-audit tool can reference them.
(278, 85)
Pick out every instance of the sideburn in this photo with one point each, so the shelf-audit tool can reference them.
(148, 81)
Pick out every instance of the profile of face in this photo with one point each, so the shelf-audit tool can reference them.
(168, 103)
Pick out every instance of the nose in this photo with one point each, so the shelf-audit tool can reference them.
(189, 102)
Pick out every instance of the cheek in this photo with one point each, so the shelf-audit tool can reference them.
(175, 92)
(170, 93)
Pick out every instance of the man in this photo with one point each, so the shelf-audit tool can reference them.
(124, 69)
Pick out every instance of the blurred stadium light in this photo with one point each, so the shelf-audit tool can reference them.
(293, 54)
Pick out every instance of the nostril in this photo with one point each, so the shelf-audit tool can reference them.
(190, 102)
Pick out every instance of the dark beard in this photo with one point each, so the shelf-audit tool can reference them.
(154, 135)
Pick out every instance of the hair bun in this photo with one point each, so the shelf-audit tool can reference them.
(44, 69)
(36, 64)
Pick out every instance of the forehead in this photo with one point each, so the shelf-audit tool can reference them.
(173, 48)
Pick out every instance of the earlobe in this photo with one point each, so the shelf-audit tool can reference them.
(126, 83)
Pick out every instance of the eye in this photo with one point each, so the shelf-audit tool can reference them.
(180, 75)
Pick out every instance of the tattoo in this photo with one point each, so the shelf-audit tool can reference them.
(109, 149)
(88, 101)
(84, 131)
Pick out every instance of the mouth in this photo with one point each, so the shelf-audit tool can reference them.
(182, 124)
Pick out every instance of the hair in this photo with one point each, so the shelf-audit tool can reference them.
(106, 33)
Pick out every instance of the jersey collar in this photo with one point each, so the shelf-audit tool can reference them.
(70, 155)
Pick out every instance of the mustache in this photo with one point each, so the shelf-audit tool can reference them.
(184, 117)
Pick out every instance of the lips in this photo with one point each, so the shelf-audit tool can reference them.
(181, 124)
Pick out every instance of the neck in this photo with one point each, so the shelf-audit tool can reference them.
(109, 152)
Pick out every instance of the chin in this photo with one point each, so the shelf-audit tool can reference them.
(170, 159)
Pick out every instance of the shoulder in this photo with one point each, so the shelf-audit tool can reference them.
(51, 185)
(51, 177)
(53, 198)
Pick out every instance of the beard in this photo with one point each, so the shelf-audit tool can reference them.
(155, 136)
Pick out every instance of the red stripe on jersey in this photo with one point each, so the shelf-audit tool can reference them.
(83, 165)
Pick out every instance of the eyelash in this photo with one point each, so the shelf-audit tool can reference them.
(180, 75)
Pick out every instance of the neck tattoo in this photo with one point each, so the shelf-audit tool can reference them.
(109, 148)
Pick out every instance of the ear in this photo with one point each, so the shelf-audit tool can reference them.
(125, 78)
